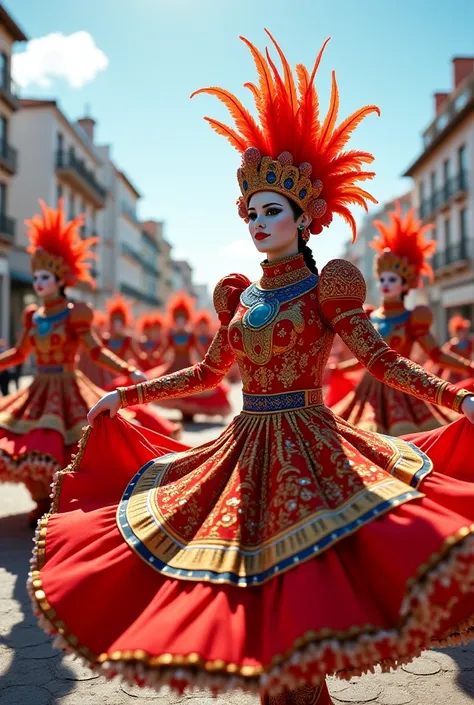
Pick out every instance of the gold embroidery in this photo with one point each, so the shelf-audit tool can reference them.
(341, 316)
(341, 280)
(277, 282)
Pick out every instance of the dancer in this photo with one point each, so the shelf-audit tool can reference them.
(183, 348)
(152, 339)
(203, 331)
(401, 261)
(40, 425)
(277, 553)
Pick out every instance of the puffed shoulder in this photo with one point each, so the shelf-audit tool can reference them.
(81, 312)
(227, 294)
(28, 314)
(421, 318)
(340, 279)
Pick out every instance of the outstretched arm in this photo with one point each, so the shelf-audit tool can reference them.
(215, 365)
(192, 380)
(18, 354)
(341, 295)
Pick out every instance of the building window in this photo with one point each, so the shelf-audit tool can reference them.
(3, 199)
(421, 199)
(446, 179)
(59, 192)
(447, 240)
(463, 234)
(433, 190)
(4, 71)
(462, 166)
(59, 149)
(3, 135)
(71, 212)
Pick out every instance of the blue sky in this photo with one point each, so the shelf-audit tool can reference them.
(394, 54)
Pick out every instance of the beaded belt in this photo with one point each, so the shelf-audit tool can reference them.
(286, 401)
(54, 369)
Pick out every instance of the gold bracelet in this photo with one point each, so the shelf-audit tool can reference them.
(140, 392)
(123, 397)
(459, 398)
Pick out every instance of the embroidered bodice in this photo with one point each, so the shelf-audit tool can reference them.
(54, 333)
(281, 328)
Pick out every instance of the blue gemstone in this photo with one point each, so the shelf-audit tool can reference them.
(259, 315)
(271, 177)
(245, 185)
(302, 193)
(289, 183)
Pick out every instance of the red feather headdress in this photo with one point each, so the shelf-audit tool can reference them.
(56, 245)
(181, 305)
(403, 248)
(150, 320)
(204, 316)
(119, 307)
(457, 323)
(291, 151)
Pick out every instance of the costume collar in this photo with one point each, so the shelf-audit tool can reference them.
(391, 309)
(283, 272)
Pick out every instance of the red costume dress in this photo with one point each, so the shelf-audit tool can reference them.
(277, 553)
(181, 344)
(40, 425)
(373, 405)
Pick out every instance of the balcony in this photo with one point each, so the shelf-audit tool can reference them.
(455, 189)
(453, 258)
(9, 92)
(146, 264)
(142, 296)
(7, 229)
(8, 157)
(74, 171)
(130, 213)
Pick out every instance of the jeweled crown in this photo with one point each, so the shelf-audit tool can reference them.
(42, 259)
(259, 173)
(388, 261)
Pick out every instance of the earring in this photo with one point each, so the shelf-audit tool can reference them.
(301, 227)
(306, 235)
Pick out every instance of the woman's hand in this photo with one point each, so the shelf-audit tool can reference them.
(138, 376)
(110, 403)
(467, 407)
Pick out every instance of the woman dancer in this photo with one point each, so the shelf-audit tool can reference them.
(401, 261)
(278, 553)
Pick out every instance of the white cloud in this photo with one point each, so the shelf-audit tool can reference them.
(74, 58)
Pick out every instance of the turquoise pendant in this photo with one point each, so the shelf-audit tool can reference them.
(261, 314)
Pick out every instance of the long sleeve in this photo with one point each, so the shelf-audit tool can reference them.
(341, 295)
(81, 321)
(420, 323)
(18, 354)
(215, 365)
(192, 380)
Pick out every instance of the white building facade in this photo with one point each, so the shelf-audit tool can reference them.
(443, 177)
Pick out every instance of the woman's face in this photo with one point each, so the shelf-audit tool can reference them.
(117, 324)
(45, 284)
(272, 224)
(154, 333)
(180, 322)
(392, 286)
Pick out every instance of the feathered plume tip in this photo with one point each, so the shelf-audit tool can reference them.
(204, 317)
(289, 149)
(458, 323)
(403, 246)
(119, 307)
(150, 320)
(56, 245)
(181, 304)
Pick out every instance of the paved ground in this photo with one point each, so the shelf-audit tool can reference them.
(32, 673)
